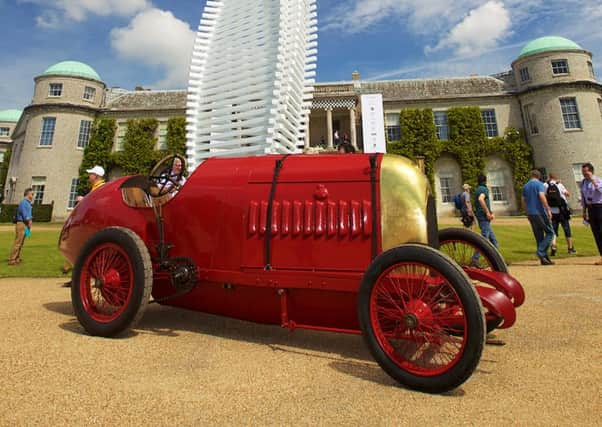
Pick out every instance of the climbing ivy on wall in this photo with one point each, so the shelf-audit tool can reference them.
(98, 151)
(4, 171)
(467, 142)
(418, 138)
(139, 154)
(176, 136)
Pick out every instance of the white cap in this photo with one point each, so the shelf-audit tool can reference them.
(97, 170)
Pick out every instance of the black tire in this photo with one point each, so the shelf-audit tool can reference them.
(448, 236)
(132, 259)
(467, 360)
(495, 259)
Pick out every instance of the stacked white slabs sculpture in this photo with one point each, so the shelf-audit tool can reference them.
(251, 78)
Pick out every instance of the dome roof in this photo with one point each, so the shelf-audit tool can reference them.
(546, 44)
(10, 115)
(73, 68)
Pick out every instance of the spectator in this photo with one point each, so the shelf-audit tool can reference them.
(96, 179)
(337, 138)
(484, 215)
(467, 212)
(591, 200)
(539, 214)
(557, 196)
(346, 148)
(23, 221)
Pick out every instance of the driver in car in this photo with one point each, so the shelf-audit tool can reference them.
(173, 179)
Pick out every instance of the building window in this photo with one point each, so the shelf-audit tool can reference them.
(89, 93)
(490, 123)
(38, 185)
(496, 182)
(445, 182)
(122, 128)
(56, 90)
(578, 174)
(4, 131)
(47, 135)
(560, 66)
(524, 74)
(441, 124)
(162, 136)
(84, 133)
(590, 67)
(570, 113)
(73, 193)
(531, 120)
(393, 127)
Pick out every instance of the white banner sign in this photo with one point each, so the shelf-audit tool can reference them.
(373, 124)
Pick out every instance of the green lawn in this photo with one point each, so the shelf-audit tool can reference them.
(41, 257)
(40, 254)
(518, 244)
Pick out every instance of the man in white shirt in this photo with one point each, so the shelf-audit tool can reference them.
(557, 196)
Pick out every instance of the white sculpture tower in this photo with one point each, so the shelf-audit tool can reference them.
(251, 78)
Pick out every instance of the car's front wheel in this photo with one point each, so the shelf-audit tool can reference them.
(421, 318)
(112, 282)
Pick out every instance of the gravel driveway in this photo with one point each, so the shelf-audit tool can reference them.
(186, 368)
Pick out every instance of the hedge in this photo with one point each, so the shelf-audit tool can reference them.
(41, 213)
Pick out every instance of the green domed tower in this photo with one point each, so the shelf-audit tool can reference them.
(51, 136)
(561, 102)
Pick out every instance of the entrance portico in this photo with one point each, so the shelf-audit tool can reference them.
(334, 113)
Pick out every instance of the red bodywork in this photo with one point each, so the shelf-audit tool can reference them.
(322, 228)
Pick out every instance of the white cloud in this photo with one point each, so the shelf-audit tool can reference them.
(479, 31)
(156, 37)
(419, 16)
(56, 12)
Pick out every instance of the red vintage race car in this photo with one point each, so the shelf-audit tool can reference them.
(325, 242)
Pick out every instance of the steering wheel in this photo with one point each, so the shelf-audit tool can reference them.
(163, 178)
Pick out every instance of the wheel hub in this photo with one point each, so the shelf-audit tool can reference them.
(411, 321)
(417, 312)
(111, 278)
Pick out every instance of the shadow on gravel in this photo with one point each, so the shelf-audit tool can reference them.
(65, 308)
(166, 321)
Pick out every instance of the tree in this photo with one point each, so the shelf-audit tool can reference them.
(176, 136)
(98, 151)
(139, 156)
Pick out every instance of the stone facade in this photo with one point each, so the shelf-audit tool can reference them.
(532, 100)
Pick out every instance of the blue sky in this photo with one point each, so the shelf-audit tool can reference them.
(148, 42)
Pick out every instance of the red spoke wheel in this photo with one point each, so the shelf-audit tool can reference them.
(421, 318)
(112, 281)
(461, 245)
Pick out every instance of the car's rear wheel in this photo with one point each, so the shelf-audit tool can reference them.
(421, 318)
(112, 282)
(461, 245)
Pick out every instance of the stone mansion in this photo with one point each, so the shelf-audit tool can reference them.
(551, 92)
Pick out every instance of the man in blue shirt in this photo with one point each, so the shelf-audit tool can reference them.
(24, 219)
(591, 201)
(539, 214)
